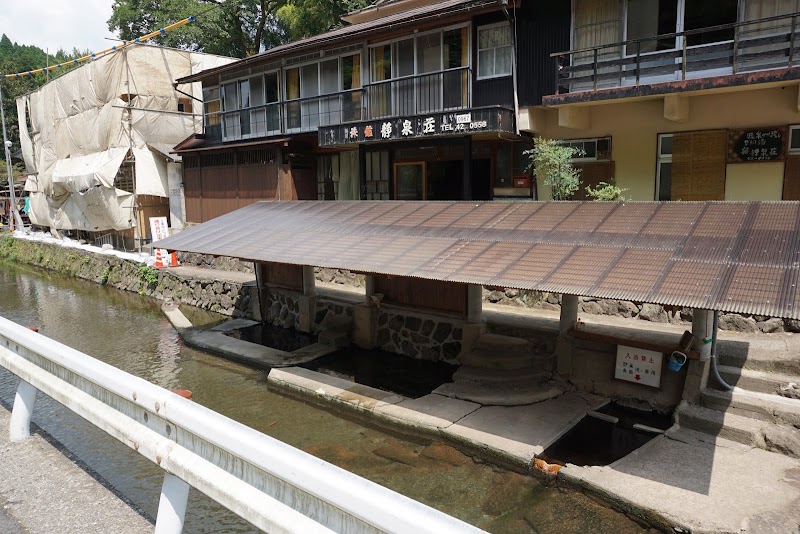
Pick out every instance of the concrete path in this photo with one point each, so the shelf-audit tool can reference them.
(43, 491)
(701, 484)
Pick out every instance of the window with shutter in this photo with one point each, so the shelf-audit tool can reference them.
(698, 165)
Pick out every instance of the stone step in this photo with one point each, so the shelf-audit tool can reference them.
(752, 380)
(784, 360)
(721, 424)
(506, 360)
(500, 377)
(500, 395)
(762, 406)
(501, 343)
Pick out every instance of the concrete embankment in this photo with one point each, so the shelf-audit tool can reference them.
(42, 490)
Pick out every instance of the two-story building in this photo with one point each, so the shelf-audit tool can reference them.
(413, 100)
(679, 99)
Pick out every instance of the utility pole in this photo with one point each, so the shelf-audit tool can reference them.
(7, 147)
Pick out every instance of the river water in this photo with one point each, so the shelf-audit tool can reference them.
(129, 332)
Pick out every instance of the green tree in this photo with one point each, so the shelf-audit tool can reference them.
(551, 161)
(228, 28)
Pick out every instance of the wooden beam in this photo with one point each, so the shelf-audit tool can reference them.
(573, 117)
(676, 108)
(639, 344)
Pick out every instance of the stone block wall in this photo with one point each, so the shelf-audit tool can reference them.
(426, 337)
(281, 308)
(221, 263)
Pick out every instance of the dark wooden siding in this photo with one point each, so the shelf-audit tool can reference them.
(219, 186)
(192, 190)
(257, 182)
(431, 295)
(494, 92)
(542, 28)
(283, 275)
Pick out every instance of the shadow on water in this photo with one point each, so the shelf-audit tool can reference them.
(276, 337)
(385, 371)
(129, 332)
(596, 441)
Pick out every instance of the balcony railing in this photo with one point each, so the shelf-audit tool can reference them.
(762, 44)
(399, 97)
(415, 95)
(291, 116)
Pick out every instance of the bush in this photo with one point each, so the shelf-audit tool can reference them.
(552, 162)
(147, 276)
(606, 192)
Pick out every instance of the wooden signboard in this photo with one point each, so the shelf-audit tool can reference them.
(639, 366)
(762, 144)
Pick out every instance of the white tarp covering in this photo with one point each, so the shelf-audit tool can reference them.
(83, 123)
(81, 173)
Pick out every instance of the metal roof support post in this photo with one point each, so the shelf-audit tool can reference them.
(172, 505)
(565, 346)
(22, 411)
(697, 370)
(307, 302)
(474, 303)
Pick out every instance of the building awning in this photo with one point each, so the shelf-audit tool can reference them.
(384, 25)
(741, 257)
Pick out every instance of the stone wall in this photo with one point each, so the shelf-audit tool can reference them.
(281, 308)
(223, 263)
(426, 337)
(339, 276)
(636, 310)
(227, 298)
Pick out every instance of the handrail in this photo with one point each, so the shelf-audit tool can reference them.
(696, 31)
(266, 482)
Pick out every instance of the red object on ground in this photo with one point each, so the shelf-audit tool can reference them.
(185, 393)
(34, 328)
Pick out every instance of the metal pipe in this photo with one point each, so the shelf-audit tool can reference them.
(714, 371)
(7, 152)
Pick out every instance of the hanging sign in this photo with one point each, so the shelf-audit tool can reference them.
(638, 366)
(763, 144)
(431, 125)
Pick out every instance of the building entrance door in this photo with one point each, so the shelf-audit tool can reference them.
(410, 181)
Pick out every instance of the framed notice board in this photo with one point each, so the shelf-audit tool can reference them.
(757, 144)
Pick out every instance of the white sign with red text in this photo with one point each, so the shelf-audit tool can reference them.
(639, 366)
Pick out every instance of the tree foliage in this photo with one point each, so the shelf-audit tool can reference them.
(551, 161)
(229, 28)
(21, 58)
(606, 191)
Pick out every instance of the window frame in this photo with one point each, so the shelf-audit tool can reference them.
(478, 51)
(661, 158)
(792, 150)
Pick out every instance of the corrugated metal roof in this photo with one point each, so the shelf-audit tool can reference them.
(731, 256)
(333, 37)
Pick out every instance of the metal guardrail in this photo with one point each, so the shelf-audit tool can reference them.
(270, 484)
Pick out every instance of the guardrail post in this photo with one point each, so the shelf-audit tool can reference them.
(172, 505)
(21, 413)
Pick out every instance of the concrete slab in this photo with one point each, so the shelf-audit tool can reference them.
(211, 275)
(430, 412)
(521, 432)
(43, 490)
(176, 317)
(251, 353)
(234, 324)
(701, 485)
(331, 388)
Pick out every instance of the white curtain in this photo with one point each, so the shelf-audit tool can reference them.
(761, 9)
(597, 22)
